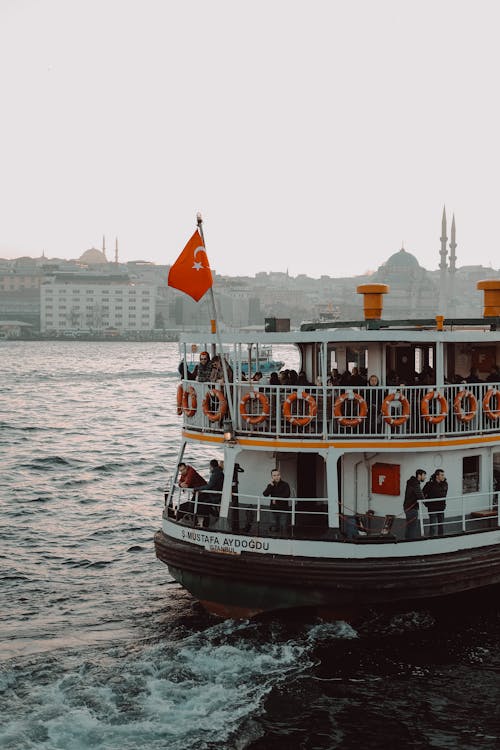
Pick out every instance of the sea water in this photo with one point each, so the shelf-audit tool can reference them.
(101, 649)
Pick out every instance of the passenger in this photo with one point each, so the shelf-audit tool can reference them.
(345, 378)
(392, 378)
(334, 378)
(217, 373)
(302, 379)
(359, 525)
(473, 376)
(356, 377)
(278, 490)
(427, 376)
(413, 495)
(436, 487)
(257, 377)
(374, 404)
(188, 478)
(274, 379)
(209, 502)
(185, 373)
(284, 377)
(494, 376)
(293, 377)
(202, 370)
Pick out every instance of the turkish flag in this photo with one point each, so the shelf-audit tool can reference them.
(191, 271)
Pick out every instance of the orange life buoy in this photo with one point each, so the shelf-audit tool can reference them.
(180, 394)
(424, 407)
(254, 418)
(405, 409)
(211, 415)
(465, 416)
(300, 421)
(189, 394)
(492, 414)
(350, 421)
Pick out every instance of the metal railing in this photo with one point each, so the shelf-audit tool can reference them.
(307, 518)
(328, 412)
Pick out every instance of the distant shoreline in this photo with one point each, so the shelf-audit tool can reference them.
(102, 339)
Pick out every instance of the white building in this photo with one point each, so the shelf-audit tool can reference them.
(96, 302)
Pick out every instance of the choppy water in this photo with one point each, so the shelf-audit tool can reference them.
(101, 649)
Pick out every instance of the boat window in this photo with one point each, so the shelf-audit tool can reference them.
(470, 474)
(410, 364)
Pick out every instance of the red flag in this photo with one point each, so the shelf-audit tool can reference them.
(191, 271)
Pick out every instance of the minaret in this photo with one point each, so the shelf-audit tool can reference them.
(116, 251)
(442, 266)
(453, 268)
(453, 247)
(104, 245)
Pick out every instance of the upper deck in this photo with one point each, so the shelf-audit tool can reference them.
(378, 379)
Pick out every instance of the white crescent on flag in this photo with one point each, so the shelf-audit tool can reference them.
(197, 265)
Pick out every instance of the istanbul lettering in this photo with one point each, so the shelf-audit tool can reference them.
(227, 545)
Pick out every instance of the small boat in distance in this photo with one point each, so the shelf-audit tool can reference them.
(258, 359)
(320, 504)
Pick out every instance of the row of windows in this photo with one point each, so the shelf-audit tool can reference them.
(62, 306)
(106, 292)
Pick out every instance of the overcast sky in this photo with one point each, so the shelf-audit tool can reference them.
(313, 136)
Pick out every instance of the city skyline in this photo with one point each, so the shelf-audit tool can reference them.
(316, 139)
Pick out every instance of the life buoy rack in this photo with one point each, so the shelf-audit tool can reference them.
(206, 404)
(306, 419)
(189, 395)
(405, 410)
(264, 404)
(461, 415)
(424, 407)
(492, 414)
(180, 395)
(350, 421)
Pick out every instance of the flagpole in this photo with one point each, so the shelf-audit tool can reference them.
(215, 329)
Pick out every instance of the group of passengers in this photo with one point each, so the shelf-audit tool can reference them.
(210, 496)
(208, 370)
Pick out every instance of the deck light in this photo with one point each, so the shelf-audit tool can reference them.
(229, 436)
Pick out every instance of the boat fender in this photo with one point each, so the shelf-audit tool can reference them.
(254, 418)
(300, 421)
(350, 421)
(405, 410)
(211, 415)
(180, 394)
(465, 416)
(189, 401)
(424, 407)
(492, 414)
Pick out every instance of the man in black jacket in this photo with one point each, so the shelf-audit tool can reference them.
(435, 492)
(413, 495)
(209, 502)
(278, 490)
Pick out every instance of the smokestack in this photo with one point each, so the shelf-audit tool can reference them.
(372, 299)
(491, 288)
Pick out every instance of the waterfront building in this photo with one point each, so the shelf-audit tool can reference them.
(96, 303)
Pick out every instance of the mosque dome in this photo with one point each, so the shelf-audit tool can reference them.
(402, 259)
(92, 256)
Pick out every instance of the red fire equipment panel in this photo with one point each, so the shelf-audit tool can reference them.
(386, 479)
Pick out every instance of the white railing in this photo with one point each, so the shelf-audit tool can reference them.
(463, 513)
(307, 518)
(355, 411)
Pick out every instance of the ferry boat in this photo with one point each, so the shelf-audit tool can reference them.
(348, 449)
